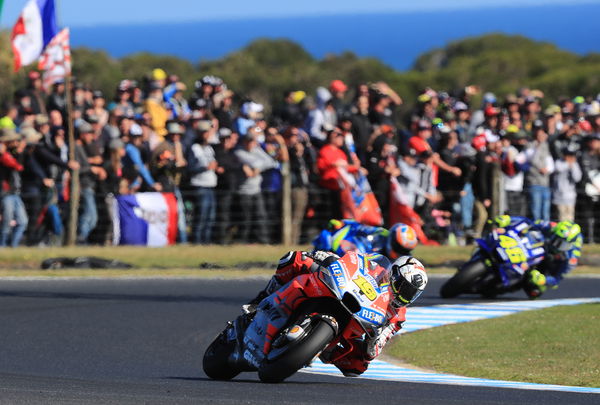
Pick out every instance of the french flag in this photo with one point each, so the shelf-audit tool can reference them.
(34, 29)
(148, 219)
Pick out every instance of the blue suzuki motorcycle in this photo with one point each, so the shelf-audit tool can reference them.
(498, 264)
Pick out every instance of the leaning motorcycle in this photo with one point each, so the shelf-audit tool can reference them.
(498, 264)
(325, 310)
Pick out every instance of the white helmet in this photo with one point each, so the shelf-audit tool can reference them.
(407, 280)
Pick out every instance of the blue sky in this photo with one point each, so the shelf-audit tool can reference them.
(102, 12)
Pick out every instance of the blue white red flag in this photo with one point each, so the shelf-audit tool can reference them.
(34, 29)
(148, 219)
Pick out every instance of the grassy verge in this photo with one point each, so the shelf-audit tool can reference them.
(186, 260)
(551, 346)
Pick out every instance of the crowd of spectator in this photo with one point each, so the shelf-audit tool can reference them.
(224, 158)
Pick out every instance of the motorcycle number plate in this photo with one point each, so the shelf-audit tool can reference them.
(365, 287)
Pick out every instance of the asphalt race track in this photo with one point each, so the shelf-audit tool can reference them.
(141, 341)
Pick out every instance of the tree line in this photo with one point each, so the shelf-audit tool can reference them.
(265, 68)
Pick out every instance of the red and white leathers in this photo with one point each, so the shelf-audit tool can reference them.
(357, 361)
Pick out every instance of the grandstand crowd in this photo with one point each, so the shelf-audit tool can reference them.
(222, 156)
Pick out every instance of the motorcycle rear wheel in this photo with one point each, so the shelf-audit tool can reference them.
(215, 362)
(463, 279)
(299, 355)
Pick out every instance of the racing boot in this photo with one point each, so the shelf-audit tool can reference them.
(272, 286)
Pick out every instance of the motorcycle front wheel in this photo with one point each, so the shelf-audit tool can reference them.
(463, 280)
(299, 354)
(216, 359)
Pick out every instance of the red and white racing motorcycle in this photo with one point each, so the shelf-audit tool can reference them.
(324, 310)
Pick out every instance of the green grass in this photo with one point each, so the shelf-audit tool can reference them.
(185, 260)
(559, 345)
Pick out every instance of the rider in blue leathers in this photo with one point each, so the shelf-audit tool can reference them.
(346, 235)
(562, 244)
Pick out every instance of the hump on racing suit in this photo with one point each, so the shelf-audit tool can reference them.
(349, 235)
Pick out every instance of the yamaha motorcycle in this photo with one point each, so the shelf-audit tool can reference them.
(498, 264)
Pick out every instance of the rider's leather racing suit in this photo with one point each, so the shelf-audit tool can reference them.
(357, 361)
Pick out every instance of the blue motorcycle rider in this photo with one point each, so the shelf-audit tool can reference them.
(346, 235)
(562, 245)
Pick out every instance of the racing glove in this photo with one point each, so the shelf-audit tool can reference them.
(375, 345)
(323, 258)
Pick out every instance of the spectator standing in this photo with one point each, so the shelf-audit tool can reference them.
(589, 196)
(36, 93)
(202, 171)
(11, 166)
(289, 113)
(321, 118)
(88, 210)
(299, 172)
(223, 102)
(254, 161)
(155, 106)
(229, 174)
(567, 173)
(361, 126)
(513, 163)
(272, 182)
(34, 181)
(57, 100)
(338, 91)
(133, 165)
(541, 166)
(382, 165)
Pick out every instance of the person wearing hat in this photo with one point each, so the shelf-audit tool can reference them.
(36, 93)
(250, 112)
(202, 172)
(176, 102)
(35, 183)
(288, 112)
(175, 132)
(570, 136)
(11, 168)
(155, 106)
(98, 108)
(204, 90)
(567, 173)
(338, 91)
(229, 172)
(512, 163)
(222, 110)
(133, 164)
(57, 100)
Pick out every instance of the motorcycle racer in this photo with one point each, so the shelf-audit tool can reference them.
(562, 243)
(347, 234)
(407, 280)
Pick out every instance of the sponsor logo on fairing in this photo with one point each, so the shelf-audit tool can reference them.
(338, 274)
(371, 315)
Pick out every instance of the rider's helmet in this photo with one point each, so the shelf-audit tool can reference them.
(401, 240)
(407, 280)
(563, 236)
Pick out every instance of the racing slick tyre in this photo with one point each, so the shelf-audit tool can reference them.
(215, 362)
(463, 279)
(299, 355)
